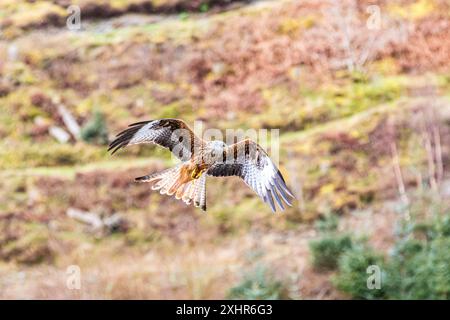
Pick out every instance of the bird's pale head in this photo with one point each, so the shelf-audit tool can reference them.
(217, 148)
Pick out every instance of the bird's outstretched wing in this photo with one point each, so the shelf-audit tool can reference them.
(246, 159)
(173, 134)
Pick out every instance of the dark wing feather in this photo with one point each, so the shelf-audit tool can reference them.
(246, 159)
(173, 134)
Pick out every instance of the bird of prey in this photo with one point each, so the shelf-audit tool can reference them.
(200, 158)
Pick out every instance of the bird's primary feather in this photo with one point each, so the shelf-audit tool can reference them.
(247, 160)
(173, 134)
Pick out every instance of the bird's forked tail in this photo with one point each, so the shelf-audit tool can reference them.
(168, 182)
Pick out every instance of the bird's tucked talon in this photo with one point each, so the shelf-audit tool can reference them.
(196, 173)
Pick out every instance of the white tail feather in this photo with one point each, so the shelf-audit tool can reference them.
(191, 192)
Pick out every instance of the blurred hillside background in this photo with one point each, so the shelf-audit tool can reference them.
(359, 90)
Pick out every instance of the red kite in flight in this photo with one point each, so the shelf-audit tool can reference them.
(199, 158)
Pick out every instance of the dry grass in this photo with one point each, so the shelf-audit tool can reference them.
(198, 270)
